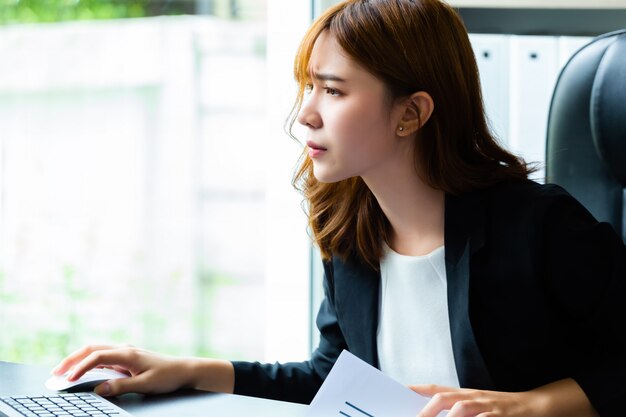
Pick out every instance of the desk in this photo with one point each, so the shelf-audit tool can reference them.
(29, 380)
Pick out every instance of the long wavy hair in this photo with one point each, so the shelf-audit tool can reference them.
(410, 45)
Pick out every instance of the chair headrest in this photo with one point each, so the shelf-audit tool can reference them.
(608, 107)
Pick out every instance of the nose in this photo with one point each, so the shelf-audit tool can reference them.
(308, 115)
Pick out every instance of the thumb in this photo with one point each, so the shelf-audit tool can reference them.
(118, 386)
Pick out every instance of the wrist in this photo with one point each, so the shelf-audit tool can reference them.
(539, 403)
(206, 374)
(562, 398)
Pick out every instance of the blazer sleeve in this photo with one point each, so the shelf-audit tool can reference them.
(297, 381)
(586, 271)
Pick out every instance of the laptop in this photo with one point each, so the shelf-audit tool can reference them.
(80, 404)
(73, 398)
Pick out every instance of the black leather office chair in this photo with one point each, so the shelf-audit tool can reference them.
(586, 142)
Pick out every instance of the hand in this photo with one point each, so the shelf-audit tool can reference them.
(150, 373)
(474, 403)
(562, 398)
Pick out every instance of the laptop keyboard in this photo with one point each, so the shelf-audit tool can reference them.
(62, 405)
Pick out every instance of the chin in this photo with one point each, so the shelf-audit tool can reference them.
(327, 177)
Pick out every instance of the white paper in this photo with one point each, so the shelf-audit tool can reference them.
(354, 388)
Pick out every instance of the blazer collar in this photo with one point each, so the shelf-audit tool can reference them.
(357, 304)
(464, 223)
(464, 235)
(358, 294)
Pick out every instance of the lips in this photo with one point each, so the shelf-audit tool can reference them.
(315, 150)
(315, 146)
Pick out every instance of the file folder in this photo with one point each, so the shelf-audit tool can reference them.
(492, 57)
(569, 45)
(534, 65)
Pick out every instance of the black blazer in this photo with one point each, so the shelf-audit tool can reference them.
(536, 293)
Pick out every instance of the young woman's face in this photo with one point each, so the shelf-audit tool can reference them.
(351, 124)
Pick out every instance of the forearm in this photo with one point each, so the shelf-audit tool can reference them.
(211, 374)
(563, 398)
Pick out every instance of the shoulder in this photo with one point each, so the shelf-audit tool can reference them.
(542, 202)
(569, 238)
(524, 192)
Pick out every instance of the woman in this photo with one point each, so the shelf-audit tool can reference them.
(443, 264)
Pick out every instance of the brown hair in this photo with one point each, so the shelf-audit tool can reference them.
(411, 45)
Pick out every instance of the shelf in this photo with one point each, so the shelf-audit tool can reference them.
(543, 21)
(540, 4)
(535, 17)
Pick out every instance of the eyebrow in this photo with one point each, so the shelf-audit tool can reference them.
(326, 77)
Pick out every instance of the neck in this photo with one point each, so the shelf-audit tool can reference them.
(415, 210)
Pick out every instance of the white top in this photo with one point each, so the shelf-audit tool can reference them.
(414, 342)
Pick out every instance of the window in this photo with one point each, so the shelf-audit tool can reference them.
(145, 180)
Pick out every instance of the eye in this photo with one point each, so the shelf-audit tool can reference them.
(308, 88)
(332, 91)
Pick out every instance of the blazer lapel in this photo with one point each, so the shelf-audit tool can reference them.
(357, 295)
(464, 234)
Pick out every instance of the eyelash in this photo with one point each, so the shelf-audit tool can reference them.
(333, 92)
(308, 88)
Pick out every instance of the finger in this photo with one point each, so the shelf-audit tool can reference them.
(121, 369)
(77, 356)
(469, 408)
(428, 390)
(116, 358)
(442, 401)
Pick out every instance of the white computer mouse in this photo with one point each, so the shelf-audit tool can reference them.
(87, 382)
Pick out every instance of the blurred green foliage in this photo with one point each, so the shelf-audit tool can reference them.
(42, 11)
(28, 342)
(22, 342)
(45, 11)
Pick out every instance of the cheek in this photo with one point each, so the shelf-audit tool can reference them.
(361, 124)
(371, 134)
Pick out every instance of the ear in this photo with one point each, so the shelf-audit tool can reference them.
(417, 110)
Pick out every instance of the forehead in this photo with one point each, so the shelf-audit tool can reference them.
(328, 56)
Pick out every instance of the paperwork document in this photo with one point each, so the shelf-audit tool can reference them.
(354, 388)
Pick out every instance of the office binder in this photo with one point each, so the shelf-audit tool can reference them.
(534, 66)
(492, 57)
(569, 45)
